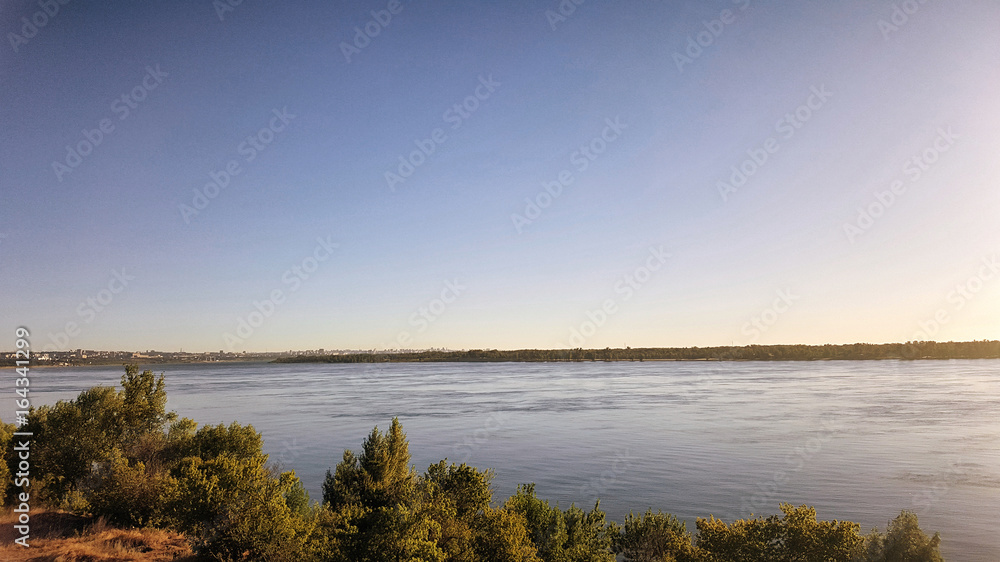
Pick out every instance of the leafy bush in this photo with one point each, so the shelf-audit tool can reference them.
(111, 453)
(235, 509)
(75, 438)
(654, 537)
(562, 536)
(902, 542)
(503, 537)
(130, 493)
(6, 436)
(380, 477)
(795, 536)
(466, 486)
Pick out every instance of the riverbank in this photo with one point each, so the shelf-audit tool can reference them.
(845, 352)
(58, 535)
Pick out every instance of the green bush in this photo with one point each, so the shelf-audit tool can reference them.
(797, 535)
(503, 537)
(466, 486)
(376, 508)
(6, 436)
(76, 440)
(120, 455)
(654, 537)
(235, 509)
(902, 542)
(573, 535)
(380, 477)
(131, 493)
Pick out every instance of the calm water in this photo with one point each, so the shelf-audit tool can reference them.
(857, 440)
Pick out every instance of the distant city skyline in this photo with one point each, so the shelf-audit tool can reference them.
(542, 175)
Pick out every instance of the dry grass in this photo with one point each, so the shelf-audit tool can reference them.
(62, 537)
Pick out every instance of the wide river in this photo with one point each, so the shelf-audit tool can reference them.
(858, 440)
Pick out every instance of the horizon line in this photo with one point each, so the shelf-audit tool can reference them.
(432, 348)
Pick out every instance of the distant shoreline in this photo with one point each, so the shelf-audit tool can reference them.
(845, 352)
(910, 351)
(138, 361)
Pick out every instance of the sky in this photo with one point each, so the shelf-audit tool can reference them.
(255, 176)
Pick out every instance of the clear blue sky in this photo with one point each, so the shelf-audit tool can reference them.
(838, 96)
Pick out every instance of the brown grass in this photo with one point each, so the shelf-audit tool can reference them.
(57, 536)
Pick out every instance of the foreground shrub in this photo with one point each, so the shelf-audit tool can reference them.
(109, 453)
(7, 455)
(502, 536)
(74, 439)
(654, 537)
(377, 508)
(235, 508)
(795, 536)
(902, 542)
(563, 536)
(380, 477)
(130, 493)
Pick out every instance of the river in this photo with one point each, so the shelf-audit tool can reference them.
(858, 440)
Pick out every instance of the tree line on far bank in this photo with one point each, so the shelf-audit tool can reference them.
(120, 455)
(857, 351)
